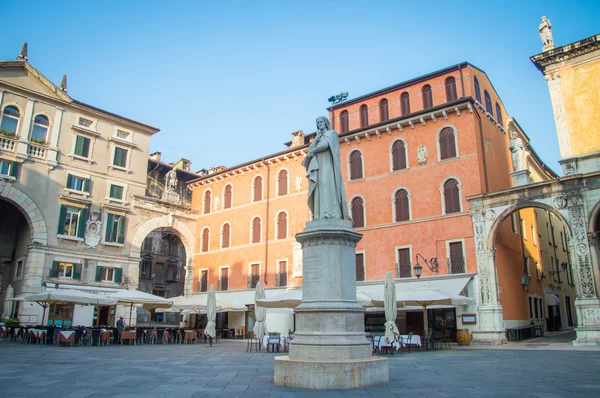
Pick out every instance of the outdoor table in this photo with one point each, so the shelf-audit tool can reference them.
(66, 336)
(383, 343)
(190, 335)
(105, 336)
(266, 341)
(416, 339)
(129, 335)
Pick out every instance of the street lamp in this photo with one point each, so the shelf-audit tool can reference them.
(418, 269)
(336, 99)
(432, 263)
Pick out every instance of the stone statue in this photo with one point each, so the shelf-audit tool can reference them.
(326, 194)
(516, 148)
(422, 154)
(545, 31)
(92, 229)
(171, 181)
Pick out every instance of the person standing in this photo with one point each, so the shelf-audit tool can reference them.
(120, 327)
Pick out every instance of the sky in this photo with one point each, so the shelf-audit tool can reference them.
(229, 81)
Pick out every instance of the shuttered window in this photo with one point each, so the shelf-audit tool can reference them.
(383, 110)
(427, 97)
(282, 183)
(116, 192)
(401, 205)
(257, 189)
(457, 260)
(405, 103)
(115, 228)
(207, 201)
(364, 116)
(358, 215)
(82, 146)
(203, 281)
(205, 239)
(71, 221)
(450, 89)
(398, 155)
(225, 235)
(498, 113)
(120, 157)
(356, 170)
(344, 123)
(451, 196)
(447, 143)
(404, 266)
(477, 90)
(256, 229)
(228, 197)
(282, 225)
(488, 103)
(360, 267)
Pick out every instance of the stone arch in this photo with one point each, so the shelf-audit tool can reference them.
(168, 221)
(29, 209)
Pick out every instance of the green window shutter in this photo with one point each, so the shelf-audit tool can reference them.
(118, 275)
(62, 216)
(98, 273)
(69, 180)
(14, 169)
(109, 227)
(77, 271)
(122, 222)
(54, 269)
(83, 216)
(86, 185)
(79, 145)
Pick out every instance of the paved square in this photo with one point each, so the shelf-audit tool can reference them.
(227, 370)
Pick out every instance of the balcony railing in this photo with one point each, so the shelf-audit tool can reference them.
(404, 270)
(202, 285)
(360, 275)
(456, 265)
(223, 284)
(281, 279)
(8, 144)
(252, 281)
(36, 151)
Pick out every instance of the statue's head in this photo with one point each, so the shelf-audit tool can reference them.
(543, 19)
(325, 121)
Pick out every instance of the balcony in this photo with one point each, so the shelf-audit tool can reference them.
(223, 284)
(281, 279)
(404, 270)
(456, 265)
(252, 281)
(8, 144)
(202, 285)
(37, 151)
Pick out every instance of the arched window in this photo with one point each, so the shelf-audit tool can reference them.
(364, 116)
(225, 235)
(256, 230)
(228, 196)
(344, 126)
(282, 183)
(451, 89)
(257, 189)
(498, 113)
(10, 119)
(383, 110)
(205, 239)
(488, 102)
(427, 97)
(451, 196)
(40, 129)
(398, 155)
(207, 201)
(358, 213)
(405, 100)
(356, 170)
(477, 90)
(447, 143)
(282, 225)
(401, 205)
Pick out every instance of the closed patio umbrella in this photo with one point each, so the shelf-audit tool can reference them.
(211, 314)
(391, 309)
(260, 313)
(8, 302)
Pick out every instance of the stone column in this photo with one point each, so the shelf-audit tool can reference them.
(33, 276)
(188, 287)
(329, 350)
(587, 305)
(558, 106)
(52, 156)
(490, 330)
(25, 128)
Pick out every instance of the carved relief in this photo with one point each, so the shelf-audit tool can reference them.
(560, 119)
(581, 245)
(490, 215)
(484, 285)
(560, 202)
(92, 229)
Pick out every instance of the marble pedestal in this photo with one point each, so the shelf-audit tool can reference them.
(521, 177)
(172, 197)
(329, 350)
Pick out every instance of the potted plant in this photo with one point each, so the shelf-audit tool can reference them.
(38, 141)
(6, 133)
(10, 322)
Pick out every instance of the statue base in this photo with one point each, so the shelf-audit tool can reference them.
(172, 197)
(521, 178)
(330, 349)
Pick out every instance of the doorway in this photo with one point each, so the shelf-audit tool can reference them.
(104, 315)
(250, 319)
(569, 313)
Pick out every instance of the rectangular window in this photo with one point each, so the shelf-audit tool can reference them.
(82, 146)
(513, 223)
(533, 235)
(254, 275)
(146, 269)
(5, 167)
(19, 271)
(171, 273)
(84, 122)
(71, 222)
(456, 262)
(538, 271)
(203, 281)
(404, 266)
(523, 230)
(78, 183)
(530, 307)
(526, 266)
(122, 134)
(60, 315)
(65, 270)
(108, 274)
(360, 267)
(537, 311)
(282, 273)
(120, 158)
(224, 280)
(116, 192)
(115, 228)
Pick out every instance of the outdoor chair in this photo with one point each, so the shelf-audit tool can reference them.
(79, 337)
(436, 339)
(253, 344)
(95, 337)
(166, 337)
(427, 340)
(409, 342)
(139, 335)
(446, 338)
(274, 340)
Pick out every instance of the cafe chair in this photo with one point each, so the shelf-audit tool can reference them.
(274, 340)
(253, 344)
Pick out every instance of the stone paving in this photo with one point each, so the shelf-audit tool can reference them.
(226, 370)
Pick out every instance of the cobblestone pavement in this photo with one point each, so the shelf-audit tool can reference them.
(227, 370)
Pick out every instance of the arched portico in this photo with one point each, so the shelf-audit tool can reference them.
(180, 229)
(29, 209)
(569, 200)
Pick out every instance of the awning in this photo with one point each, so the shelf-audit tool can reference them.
(449, 285)
(552, 299)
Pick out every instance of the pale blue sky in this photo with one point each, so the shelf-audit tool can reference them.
(229, 81)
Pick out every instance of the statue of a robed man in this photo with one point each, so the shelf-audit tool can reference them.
(326, 194)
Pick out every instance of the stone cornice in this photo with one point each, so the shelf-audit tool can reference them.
(163, 207)
(566, 53)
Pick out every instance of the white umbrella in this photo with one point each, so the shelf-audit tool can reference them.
(211, 314)
(293, 298)
(132, 297)
(226, 307)
(188, 304)
(8, 302)
(391, 309)
(260, 313)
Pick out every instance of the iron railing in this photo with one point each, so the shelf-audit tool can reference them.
(281, 279)
(252, 281)
(224, 284)
(456, 265)
(203, 285)
(404, 270)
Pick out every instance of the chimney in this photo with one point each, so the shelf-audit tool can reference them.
(155, 156)
(297, 139)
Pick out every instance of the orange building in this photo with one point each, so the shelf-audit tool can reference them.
(414, 152)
